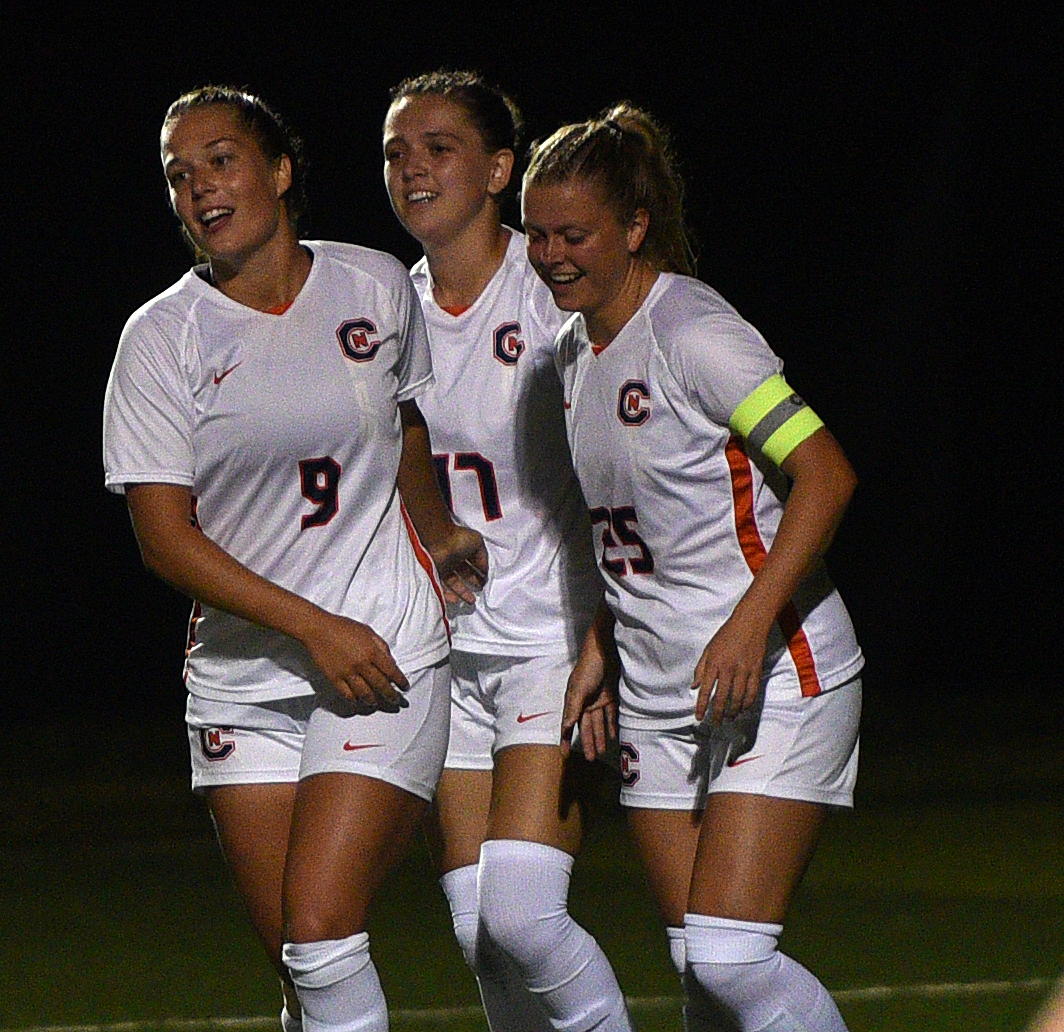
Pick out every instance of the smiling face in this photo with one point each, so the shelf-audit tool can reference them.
(440, 176)
(226, 192)
(584, 253)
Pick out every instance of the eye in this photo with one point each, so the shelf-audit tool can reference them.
(575, 238)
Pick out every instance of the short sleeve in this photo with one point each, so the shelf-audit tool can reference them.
(148, 410)
(414, 370)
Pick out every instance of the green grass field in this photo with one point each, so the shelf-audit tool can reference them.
(938, 905)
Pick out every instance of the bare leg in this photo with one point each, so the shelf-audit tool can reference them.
(252, 822)
(348, 831)
(534, 830)
(746, 856)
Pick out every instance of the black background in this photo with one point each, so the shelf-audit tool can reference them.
(879, 192)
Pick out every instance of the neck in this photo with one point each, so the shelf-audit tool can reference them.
(270, 278)
(464, 266)
(606, 322)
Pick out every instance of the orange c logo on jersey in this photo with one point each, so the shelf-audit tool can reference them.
(356, 339)
(633, 403)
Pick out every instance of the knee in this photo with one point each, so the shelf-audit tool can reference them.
(728, 963)
(522, 896)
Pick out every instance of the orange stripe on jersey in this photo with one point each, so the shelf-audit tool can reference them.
(754, 551)
(427, 564)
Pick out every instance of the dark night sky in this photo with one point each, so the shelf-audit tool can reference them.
(880, 193)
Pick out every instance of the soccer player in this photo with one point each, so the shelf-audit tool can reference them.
(508, 827)
(257, 418)
(714, 490)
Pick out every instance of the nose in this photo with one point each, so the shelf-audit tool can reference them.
(200, 182)
(552, 250)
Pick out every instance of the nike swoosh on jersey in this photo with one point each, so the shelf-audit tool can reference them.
(349, 747)
(522, 717)
(743, 759)
(219, 377)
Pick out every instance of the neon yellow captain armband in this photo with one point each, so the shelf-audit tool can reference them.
(774, 419)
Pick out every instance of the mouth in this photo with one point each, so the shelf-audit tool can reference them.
(213, 217)
(420, 197)
(563, 279)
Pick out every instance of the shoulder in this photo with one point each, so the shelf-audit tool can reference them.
(176, 308)
(361, 261)
(714, 355)
(687, 315)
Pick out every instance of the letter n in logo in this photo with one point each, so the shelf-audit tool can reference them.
(356, 337)
(214, 746)
(633, 403)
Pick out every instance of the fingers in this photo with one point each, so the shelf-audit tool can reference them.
(723, 695)
(463, 583)
(374, 682)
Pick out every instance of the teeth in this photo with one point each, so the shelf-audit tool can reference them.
(420, 195)
(564, 277)
(215, 213)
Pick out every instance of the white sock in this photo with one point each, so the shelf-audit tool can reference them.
(337, 985)
(677, 948)
(507, 1002)
(736, 979)
(523, 892)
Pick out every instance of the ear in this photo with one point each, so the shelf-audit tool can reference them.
(637, 229)
(502, 166)
(283, 175)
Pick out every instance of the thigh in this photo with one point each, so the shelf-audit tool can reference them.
(533, 798)
(348, 831)
(458, 822)
(667, 841)
(365, 782)
(253, 823)
(752, 853)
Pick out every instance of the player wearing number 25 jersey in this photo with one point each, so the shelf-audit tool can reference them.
(683, 512)
(286, 430)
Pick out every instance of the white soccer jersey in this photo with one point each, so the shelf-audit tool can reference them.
(286, 429)
(498, 437)
(681, 513)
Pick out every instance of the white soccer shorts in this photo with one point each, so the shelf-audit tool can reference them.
(802, 748)
(498, 701)
(285, 740)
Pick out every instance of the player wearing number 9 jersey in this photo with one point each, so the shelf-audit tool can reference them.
(260, 419)
(308, 497)
(714, 492)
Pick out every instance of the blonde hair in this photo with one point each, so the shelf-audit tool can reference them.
(628, 155)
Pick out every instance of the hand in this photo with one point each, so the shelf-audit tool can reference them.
(591, 703)
(728, 675)
(462, 563)
(358, 663)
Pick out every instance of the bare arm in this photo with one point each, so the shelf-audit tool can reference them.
(457, 551)
(823, 483)
(352, 656)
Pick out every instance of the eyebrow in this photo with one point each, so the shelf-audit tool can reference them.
(207, 146)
